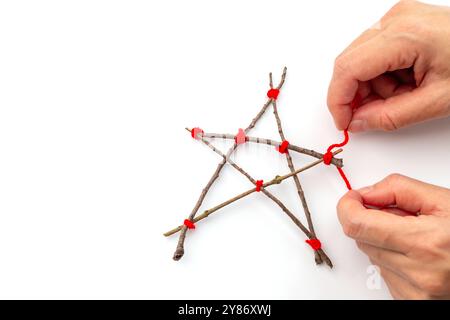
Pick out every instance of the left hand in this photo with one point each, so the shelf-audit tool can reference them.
(407, 236)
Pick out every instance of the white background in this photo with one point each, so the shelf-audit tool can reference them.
(95, 163)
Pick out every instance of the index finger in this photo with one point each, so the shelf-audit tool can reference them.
(367, 61)
(375, 227)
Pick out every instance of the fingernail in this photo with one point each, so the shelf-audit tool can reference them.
(364, 190)
(357, 126)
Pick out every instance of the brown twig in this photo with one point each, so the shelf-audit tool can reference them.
(296, 221)
(179, 251)
(276, 180)
(318, 257)
(336, 161)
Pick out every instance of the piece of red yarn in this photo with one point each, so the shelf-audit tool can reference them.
(273, 93)
(347, 183)
(328, 156)
(240, 138)
(283, 147)
(189, 224)
(314, 243)
(259, 184)
(195, 132)
(356, 101)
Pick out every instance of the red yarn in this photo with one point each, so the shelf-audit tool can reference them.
(189, 224)
(356, 101)
(328, 156)
(338, 145)
(240, 138)
(314, 243)
(195, 132)
(283, 147)
(347, 183)
(259, 184)
(273, 93)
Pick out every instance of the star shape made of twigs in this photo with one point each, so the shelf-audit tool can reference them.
(259, 186)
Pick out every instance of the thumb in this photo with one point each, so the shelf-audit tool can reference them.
(411, 107)
(408, 195)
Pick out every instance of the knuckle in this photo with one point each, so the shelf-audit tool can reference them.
(400, 6)
(394, 178)
(387, 122)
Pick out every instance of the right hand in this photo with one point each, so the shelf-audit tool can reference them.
(403, 225)
(400, 68)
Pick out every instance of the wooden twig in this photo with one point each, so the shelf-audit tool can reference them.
(276, 180)
(296, 221)
(318, 257)
(179, 251)
(336, 161)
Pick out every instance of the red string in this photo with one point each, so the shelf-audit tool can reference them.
(314, 243)
(347, 183)
(195, 132)
(259, 184)
(328, 156)
(338, 145)
(283, 147)
(240, 138)
(356, 101)
(273, 93)
(189, 224)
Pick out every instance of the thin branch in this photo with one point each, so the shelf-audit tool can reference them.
(283, 78)
(319, 253)
(179, 251)
(319, 259)
(276, 180)
(336, 161)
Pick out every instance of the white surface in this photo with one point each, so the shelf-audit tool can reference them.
(95, 163)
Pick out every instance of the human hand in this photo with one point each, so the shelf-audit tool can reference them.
(408, 236)
(400, 69)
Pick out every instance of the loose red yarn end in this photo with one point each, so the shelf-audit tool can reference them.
(314, 243)
(240, 138)
(195, 132)
(189, 224)
(273, 93)
(283, 147)
(259, 184)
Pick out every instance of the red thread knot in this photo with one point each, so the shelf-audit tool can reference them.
(189, 224)
(283, 147)
(327, 157)
(273, 93)
(314, 243)
(195, 132)
(240, 138)
(259, 184)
